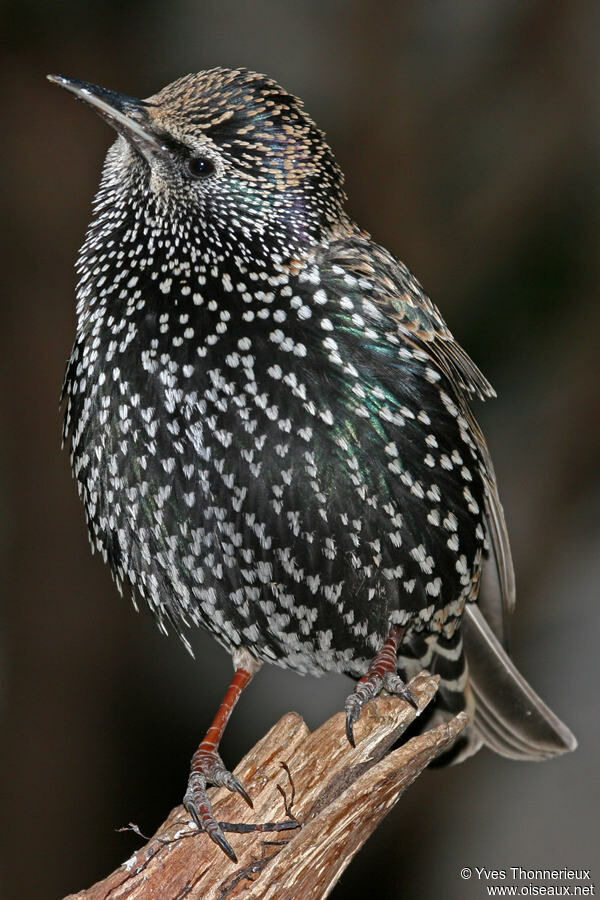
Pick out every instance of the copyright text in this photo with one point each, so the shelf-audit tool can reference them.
(526, 882)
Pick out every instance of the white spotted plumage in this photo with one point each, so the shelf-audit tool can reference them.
(269, 421)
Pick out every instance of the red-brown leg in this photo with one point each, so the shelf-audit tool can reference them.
(381, 675)
(207, 767)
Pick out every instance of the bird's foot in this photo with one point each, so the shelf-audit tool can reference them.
(381, 676)
(367, 689)
(207, 768)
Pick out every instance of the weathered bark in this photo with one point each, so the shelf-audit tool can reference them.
(337, 794)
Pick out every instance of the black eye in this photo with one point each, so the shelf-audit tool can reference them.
(200, 167)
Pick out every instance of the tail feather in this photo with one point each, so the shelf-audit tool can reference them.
(478, 676)
(509, 716)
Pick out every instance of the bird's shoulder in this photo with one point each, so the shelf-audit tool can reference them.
(353, 269)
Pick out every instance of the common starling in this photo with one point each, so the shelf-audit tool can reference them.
(270, 423)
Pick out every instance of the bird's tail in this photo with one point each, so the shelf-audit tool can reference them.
(477, 675)
(508, 717)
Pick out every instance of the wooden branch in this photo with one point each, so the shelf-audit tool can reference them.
(339, 795)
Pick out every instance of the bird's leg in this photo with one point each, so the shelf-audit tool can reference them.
(207, 766)
(381, 675)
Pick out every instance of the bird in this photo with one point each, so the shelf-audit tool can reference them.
(271, 426)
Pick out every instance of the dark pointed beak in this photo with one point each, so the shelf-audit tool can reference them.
(127, 115)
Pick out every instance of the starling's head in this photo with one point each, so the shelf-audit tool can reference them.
(226, 149)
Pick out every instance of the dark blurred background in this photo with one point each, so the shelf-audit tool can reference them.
(469, 133)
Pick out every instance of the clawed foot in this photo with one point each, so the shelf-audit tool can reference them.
(366, 689)
(381, 676)
(208, 768)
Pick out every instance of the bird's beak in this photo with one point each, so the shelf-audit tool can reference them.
(127, 115)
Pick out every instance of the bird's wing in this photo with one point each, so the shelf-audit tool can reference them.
(389, 287)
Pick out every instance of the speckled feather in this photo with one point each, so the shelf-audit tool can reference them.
(269, 421)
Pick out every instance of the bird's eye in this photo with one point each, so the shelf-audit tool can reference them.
(200, 167)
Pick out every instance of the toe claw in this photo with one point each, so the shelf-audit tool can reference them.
(410, 699)
(353, 707)
(236, 786)
(219, 838)
(394, 685)
(350, 728)
(191, 810)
